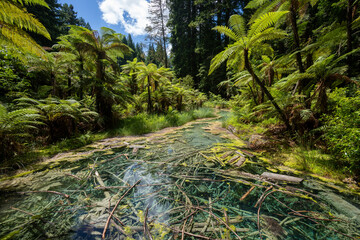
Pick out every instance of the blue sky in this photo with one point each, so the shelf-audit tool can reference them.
(124, 16)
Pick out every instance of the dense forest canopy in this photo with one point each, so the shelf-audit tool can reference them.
(291, 64)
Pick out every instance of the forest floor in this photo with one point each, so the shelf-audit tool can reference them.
(198, 180)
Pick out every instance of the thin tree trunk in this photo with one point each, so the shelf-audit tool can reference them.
(163, 32)
(296, 36)
(81, 78)
(253, 94)
(349, 32)
(149, 96)
(69, 82)
(299, 84)
(264, 89)
(53, 82)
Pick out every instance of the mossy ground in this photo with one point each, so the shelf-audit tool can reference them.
(288, 155)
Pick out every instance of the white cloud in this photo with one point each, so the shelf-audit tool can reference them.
(132, 14)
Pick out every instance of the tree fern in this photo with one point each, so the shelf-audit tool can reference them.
(264, 22)
(14, 20)
(237, 24)
(240, 51)
(15, 126)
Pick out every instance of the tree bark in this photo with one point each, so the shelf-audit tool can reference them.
(296, 36)
(163, 32)
(264, 89)
(69, 82)
(349, 32)
(149, 96)
(53, 82)
(299, 84)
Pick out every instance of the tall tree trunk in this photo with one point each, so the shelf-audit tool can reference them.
(53, 83)
(349, 32)
(69, 82)
(163, 32)
(81, 78)
(103, 107)
(264, 89)
(294, 27)
(296, 35)
(253, 95)
(149, 96)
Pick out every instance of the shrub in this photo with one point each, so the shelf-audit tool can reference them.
(342, 129)
(15, 128)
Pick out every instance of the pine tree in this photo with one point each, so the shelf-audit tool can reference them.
(158, 30)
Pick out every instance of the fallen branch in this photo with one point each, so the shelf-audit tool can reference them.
(258, 212)
(247, 193)
(54, 192)
(101, 182)
(281, 177)
(190, 234)
(146, 229)
(299, 214)
(72, 175)
(220, 220)
(116, 205)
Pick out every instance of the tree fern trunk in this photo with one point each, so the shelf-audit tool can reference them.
(264, 89)
(296, 36)
(149, 96)
(349, 32)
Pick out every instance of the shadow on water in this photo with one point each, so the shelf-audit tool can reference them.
(180, 192)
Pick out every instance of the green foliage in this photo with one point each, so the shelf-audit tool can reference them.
(144, 123)
(341, 128)
(16, 127)
(15, 21)
(63, 118)
(13, 75)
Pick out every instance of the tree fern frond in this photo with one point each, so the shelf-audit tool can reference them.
(223, 56)
(265, 8)
(12, 15)
(226, 31)
(31, 2)
(288, 82)
(356, 23)
(268, 34)
(237, 24)
(264, 22)
(255, 4)
(21, 39)
(236, 61)
(242, 78)
(342, 57)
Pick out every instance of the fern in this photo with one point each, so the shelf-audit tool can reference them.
(14, 20)
(264, 22)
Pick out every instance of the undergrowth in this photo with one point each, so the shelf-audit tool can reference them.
(145, 123)
(310, 161)
(135, 125)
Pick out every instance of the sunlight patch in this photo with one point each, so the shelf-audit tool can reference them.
(132, 14)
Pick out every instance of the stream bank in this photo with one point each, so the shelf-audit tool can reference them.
(191, 182)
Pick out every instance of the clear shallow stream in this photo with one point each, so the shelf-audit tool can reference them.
(184, 186)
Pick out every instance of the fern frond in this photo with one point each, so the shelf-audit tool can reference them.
(265, 21)
(265, 8)
(21, 39)
(288, 82)
(20, 18)
(268, 34)
(255, 4)
(226, 31)
(223, 56)
(237, 24)
(31, 2)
